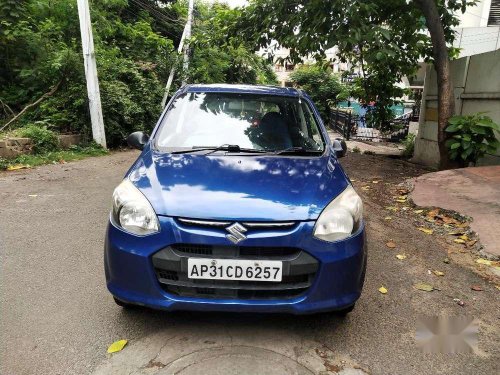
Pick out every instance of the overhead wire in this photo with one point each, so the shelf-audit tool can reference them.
(169, 33)
(159, 14)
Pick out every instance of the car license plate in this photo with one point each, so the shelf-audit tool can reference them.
(233, 269)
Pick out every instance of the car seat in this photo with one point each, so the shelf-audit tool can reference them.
(275, 132)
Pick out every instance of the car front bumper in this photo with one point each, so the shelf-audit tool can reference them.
(337, 284)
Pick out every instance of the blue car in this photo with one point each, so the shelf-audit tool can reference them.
(237, 203)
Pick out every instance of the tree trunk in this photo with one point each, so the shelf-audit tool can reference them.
(446, 103)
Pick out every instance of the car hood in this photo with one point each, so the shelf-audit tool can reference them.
(238, 187)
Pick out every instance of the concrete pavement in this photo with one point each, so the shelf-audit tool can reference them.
(376, 148)
(56, 316)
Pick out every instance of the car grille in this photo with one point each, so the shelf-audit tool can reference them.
(170, 264)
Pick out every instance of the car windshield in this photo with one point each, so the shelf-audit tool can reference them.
(250, 121)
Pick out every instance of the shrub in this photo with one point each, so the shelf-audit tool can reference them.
(409, 145)
(44, 140)
(472, 137)
(356, 150)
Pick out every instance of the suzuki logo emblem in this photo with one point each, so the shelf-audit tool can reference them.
(236, 233)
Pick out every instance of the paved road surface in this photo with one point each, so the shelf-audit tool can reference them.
(58, 318)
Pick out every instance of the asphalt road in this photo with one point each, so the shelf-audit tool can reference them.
(58, 318)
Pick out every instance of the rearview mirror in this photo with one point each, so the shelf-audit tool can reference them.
(137, 140)
(340, 147)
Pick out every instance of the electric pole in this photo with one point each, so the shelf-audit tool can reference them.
(186, 34)
(91, 73)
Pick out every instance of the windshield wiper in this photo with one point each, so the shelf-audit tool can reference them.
(297, 150)
(228, 148)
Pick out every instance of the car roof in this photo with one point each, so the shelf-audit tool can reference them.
(243, 89)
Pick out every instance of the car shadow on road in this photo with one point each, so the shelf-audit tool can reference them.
(147, 318)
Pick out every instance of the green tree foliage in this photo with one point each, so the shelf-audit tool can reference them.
(218, 56)
(322, 85)
(385, 38)
(135, 43)
(40, 41)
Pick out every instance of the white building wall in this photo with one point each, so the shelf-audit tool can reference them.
(475, 16)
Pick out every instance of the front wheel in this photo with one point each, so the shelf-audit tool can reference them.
(345, 311)
(125, 305)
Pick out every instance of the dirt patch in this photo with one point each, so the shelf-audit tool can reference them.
(385, 184)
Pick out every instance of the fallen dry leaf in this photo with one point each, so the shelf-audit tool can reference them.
(117, 346)
(497, 286)
(391, 208)
(17, 167)
(471, 243)
(484, 261)
(418, 211)
(425, 230)
(353, 180)
(477, 288)
(446, 260)
(382, 289)
(459, 240)
(464, 237)
(433, 213)
(390, 245)
(401, 200)
(438, 273)
(375, 182)
(425, 287)
(401, 256)
(388, 218)
(365, 188)
(456, 233)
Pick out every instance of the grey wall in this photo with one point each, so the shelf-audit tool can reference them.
(476, 82)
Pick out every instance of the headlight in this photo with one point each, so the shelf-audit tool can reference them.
(132, 211)
(341, 217)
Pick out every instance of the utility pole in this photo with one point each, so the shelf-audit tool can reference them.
(91, 73)
(186, 34)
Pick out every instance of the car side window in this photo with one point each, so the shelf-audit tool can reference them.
(310, 123)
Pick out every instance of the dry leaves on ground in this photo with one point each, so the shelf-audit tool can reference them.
(425, 230)
(117, 346)
(17, 167)
(486, 262)
(425, 287)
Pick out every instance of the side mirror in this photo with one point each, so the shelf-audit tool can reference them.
(340, 147)
(137, 140)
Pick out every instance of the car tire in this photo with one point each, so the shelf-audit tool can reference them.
(345, 311)
(125, 305)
